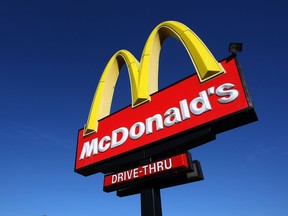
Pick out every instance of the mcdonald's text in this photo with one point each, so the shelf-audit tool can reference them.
(159, 121)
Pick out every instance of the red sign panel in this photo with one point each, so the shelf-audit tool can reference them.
(182, 107)
(146, 171)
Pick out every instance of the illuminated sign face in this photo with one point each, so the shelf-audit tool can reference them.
(146, 171)
(214, 97)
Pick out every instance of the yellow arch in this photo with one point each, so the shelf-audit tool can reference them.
(144, 77)
(205, 64)
(102, 100)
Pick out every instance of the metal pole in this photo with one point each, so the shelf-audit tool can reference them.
(151, 202)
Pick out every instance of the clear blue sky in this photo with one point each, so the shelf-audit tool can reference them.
(52, 54)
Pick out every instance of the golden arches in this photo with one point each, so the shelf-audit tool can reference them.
(102, 100)
(144, 77)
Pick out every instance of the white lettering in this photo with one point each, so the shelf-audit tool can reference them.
(149, 123)
(88, 148)
(114, 179)
(224, 90)
(115, 142)
(101, 146)
(226, 93)
(125, 176)
(121, 177)
(173, 116)
(152, 168)
(166, 164)
(129, 174)
(157, 167)
(184, 109)
(141, 130)
(160, 166)
(135, 173)
(204, 104)
(145, 169)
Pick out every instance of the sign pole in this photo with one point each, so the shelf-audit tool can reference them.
(151, 202)
(150, 197)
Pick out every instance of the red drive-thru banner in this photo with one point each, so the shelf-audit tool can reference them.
(178, 162)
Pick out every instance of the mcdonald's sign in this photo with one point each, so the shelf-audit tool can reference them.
(180, 117)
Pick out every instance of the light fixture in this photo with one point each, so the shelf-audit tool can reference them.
(235, 47)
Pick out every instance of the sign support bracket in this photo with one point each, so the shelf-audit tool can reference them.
(151, 202)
